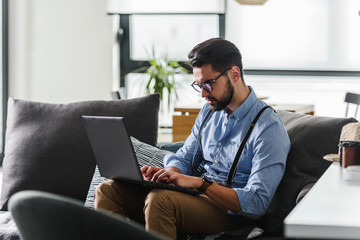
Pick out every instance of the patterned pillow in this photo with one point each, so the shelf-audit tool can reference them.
(8, 227)
(146, 155)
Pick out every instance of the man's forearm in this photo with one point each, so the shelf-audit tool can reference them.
(174, 169)
(224, 197)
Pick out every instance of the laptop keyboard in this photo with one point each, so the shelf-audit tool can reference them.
(171, 187)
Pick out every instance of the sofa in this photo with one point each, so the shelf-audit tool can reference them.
(46, 149)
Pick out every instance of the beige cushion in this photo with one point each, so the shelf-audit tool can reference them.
(350, 132)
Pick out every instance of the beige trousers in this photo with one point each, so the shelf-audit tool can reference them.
(165, 211)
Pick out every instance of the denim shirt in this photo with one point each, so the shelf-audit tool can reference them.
(262, 162)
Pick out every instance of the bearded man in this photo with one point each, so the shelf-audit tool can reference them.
(235, 156)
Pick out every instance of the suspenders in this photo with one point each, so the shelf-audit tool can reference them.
(235, 164)
(198, 162)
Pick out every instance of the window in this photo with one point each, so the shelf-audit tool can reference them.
(281, 37)
(171, 29)
(171, 35)
(305, 35)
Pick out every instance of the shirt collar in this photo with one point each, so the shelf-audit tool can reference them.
(246, 106)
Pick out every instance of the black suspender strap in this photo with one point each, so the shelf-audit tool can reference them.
(234, 166)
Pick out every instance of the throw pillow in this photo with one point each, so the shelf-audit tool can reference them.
(46, 145)
(311, 137)
(146, 155)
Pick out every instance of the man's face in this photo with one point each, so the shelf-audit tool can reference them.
(222, 89)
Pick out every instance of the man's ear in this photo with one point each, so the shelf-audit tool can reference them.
(235, 74)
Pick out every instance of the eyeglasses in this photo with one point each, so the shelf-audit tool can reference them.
(207, 85)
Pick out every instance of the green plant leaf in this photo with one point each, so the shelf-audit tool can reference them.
(161, 75)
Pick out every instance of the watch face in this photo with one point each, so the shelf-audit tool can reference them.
(207, 179)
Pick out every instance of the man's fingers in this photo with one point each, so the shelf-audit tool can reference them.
(160, 175)
(144, 169)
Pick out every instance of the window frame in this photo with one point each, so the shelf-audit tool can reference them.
(322, 73)
(5, 71)
(127, 65)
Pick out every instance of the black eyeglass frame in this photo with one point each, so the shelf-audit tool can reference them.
(210, 82)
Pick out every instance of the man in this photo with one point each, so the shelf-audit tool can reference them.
(205, 160)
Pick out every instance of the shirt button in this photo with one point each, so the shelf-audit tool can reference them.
(216, 161)
(219, 143)
(238, 119)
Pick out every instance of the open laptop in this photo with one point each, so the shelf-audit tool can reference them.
(114, 152)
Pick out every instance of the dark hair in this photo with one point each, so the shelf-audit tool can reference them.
(218, 52)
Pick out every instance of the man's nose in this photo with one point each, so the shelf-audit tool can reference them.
(204, 93)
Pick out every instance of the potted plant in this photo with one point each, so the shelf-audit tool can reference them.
(162, 76)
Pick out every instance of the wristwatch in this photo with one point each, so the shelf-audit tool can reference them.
(206, 183)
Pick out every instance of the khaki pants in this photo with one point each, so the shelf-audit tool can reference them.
(165, 211)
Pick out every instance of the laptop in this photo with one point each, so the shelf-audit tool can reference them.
(114, 152)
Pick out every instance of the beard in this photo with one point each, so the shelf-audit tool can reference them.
(220, 104)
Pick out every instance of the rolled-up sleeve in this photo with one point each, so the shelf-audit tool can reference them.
(270, 149)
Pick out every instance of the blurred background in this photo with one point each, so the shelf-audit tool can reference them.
(295, 52)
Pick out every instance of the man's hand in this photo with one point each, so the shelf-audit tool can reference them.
(149, 171)
(223, 196)
(177, 179)
(170, 175)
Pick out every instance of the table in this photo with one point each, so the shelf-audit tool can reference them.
(296, 108)
(183, 120)
(184, 117)
(330, 210)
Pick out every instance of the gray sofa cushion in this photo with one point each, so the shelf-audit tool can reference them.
(311, 137)
(47, 148)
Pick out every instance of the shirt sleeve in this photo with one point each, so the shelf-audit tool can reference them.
(270, 149)
(183, 157)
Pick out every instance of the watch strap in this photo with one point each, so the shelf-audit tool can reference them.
(205, 184)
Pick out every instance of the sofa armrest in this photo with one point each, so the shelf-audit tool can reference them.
(42, 215)
(304, 191)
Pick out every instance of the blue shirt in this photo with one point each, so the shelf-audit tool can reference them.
(262, 162)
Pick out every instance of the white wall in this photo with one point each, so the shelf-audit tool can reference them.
(60, 50)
